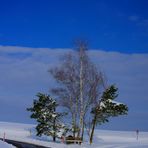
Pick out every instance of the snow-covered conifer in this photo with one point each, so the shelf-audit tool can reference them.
(107, 108)
(49, 120)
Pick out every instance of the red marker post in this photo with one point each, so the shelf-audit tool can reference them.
(62, 139)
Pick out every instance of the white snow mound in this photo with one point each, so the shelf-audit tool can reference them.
(102, 138)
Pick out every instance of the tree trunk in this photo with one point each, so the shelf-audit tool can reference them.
(82, 131)
(81, 90)
(54, 127)
(54, 138)
(74, 124)
(93, 128)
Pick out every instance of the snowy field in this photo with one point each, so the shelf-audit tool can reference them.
(5, 145)
(102, 139)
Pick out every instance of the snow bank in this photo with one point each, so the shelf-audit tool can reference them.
(5, 145)
(102, 138)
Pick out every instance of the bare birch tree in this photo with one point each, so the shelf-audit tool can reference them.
(80, 84)
(68, 91)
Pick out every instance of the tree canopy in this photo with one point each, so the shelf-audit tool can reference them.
(49, 120)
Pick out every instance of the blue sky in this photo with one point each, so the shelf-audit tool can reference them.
(109, 25)
(34, 33)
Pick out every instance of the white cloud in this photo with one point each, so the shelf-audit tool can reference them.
(21, 77)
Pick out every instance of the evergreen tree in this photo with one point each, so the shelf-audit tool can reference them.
(107, 108)
(44, 111)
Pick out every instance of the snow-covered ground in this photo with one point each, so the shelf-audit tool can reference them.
(102, 138)
(5, 145)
